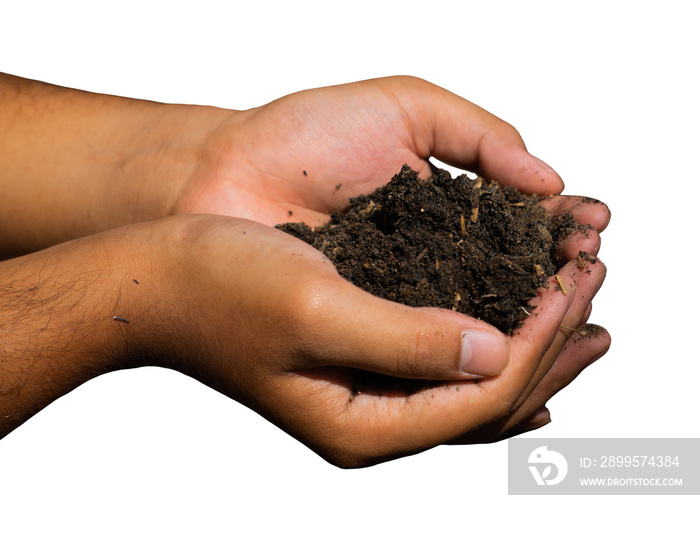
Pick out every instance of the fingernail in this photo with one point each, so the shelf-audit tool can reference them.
(484, 353)
(540, 417)
(606, 221)
(548, 169)
(545, 166)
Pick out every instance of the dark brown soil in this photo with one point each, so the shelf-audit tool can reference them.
(467, 245)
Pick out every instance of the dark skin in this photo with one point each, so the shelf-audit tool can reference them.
(179, 199)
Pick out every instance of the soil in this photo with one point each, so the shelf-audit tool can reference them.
(464, 244)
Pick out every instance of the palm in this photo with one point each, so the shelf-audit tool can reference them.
(305, 155)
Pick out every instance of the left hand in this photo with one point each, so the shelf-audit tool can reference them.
(303, 156)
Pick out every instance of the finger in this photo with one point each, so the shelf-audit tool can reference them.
(585, 211)
(587, 314)
(464, 135)
(583, 348)
(588, 278)
(452, 414)
(498, 396)
(588, 344)
(593, 216)
(532, 342)
(538, 419)
(353, 328)
(578, 244)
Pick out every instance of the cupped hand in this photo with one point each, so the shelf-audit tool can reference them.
(303, 156)
(577, 344)
(360, 379)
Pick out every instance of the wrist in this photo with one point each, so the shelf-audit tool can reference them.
(154, 295)
(57, 325)
(110, 301)
(170, 146)
(74, 163)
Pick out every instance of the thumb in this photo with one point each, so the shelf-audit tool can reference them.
(362, 331)
(462, 134)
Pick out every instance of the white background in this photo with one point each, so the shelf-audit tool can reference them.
(605, 92)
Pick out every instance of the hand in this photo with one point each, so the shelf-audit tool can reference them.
(303, 156)
(267, 320)
(81, 163)
(338, 368)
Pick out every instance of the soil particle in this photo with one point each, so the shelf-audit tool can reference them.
(468, 245)
(587, 331)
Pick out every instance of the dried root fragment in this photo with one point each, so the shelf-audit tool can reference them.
(562, 285)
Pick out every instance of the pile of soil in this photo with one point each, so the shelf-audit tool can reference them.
(468, 245)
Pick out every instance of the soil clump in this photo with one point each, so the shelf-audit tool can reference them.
(464, 244)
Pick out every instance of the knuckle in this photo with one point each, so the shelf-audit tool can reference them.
(418, 357)
(344, 459)
(501, 403)
(504, 408)
(308, 302)
(346, 446)
(353, 453)
(311, 310)
(411, 81)
(509, 132)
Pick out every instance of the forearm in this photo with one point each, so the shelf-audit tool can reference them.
(72, 312)
(73, 163)
(175, 293)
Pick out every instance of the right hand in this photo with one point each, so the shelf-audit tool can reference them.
(266, 320)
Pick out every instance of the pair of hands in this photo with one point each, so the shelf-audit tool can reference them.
(284, 164)
(266, 319)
